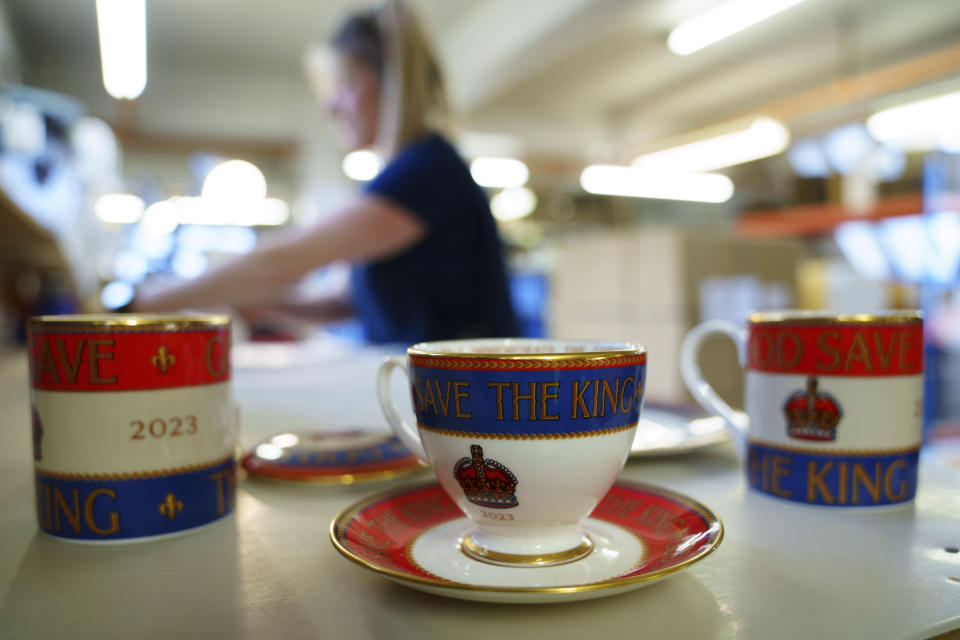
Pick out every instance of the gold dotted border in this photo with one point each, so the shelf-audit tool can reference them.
(483, 362)
(132, 475)
(528, 436)
(836, 452)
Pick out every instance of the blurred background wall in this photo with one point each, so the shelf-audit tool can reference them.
(821, 191)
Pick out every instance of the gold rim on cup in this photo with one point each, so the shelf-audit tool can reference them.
(622, 349)
(825, 318)
(129, 322)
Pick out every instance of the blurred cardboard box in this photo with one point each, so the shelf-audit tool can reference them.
(651, 285)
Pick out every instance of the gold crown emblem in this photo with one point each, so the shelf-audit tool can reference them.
(486, 483)
(812, 414)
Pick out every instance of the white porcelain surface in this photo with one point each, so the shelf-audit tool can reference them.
(783, 571)
(664, 431)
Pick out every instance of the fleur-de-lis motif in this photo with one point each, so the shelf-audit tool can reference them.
(164, 360)
(170, 506)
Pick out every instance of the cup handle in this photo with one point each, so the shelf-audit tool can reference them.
(702, 391)
(407, 434)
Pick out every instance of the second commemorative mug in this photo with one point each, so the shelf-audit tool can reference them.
(525, 435)
(133, 430)
(833, 403)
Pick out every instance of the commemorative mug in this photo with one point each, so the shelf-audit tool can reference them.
(133, 434)
(525, 435)
(833, 403)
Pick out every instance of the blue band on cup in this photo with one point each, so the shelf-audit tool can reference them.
(124, 506)
(841, 479)
(538, 403)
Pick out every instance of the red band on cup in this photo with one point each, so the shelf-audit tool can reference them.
(836, 350)
(107, 361)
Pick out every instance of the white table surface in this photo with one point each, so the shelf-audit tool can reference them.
(782, 571)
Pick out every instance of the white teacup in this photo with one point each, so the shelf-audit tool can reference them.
(526, 436)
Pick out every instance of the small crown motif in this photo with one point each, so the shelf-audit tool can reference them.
(812, 414)
(486, 483)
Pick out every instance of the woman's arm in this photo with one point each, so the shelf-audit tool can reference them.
(368, 228)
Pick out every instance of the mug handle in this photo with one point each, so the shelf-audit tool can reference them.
(705, 395)
(407, 434)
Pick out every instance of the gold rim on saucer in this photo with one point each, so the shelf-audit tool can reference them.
(342, 520)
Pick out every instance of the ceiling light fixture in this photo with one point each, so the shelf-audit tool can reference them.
(721, 22)
(122, 25)
(642, 183)
(932, 118)
(499, 173)
(361, 165)
(762, 138)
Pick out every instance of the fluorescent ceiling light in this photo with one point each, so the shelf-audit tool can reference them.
(764, 137)
(932, 118)
(642, 183)
(512, 204)
(721, 22)
(362, 165)
(118, 208)
(499, 173)
(123, 46)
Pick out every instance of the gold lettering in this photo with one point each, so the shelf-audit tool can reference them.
(780, 470)
(88, 512)
(431, 401)
(627, 384)
(225, 495)
(611, 396)
(444, 406)
(858, 351)
(531, 397)
(578, 399)
(872, 485)
(71, 367)
(96, 356)
(816, 483)
(417, 396)
(758, 464)
(220, 369)
(888, 482)
(48, 363)
(884, 357)
(544, 396)
(842, 483)
(499, 387)
(596, 397)
(831, 349)
(72, 516)
(457, 394)
(758, 356)
(906, 348)
(782, 339)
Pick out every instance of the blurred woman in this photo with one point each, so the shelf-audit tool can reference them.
(426, 258)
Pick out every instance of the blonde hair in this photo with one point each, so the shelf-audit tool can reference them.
(413, 98)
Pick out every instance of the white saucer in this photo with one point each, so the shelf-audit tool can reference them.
(411, 536)
(670, 430)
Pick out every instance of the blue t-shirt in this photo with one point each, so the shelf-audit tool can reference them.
(452, 283)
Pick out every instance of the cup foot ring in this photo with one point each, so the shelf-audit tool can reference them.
(482, 554)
